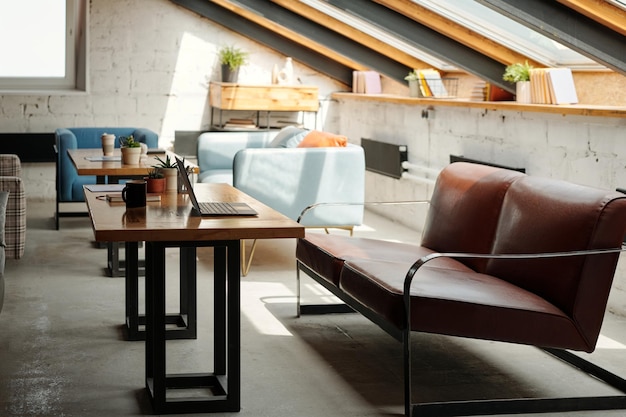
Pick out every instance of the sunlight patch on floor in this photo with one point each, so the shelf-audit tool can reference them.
(255, 296)
(608, 343)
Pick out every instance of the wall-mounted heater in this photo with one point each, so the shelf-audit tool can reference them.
(384, 158)
(457, 158)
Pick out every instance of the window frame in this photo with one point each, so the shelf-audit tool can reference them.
(75, 79)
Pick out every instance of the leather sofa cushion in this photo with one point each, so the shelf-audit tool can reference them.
(454, 300)
(547, 215)
(465, 208)
(325, 254)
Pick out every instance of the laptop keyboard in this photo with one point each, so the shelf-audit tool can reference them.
(216, 208)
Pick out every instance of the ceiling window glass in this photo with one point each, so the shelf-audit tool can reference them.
(509, 33)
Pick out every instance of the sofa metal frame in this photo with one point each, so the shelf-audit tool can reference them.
(472, 407)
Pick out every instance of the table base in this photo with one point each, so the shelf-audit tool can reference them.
(221, 387)
(182, 325)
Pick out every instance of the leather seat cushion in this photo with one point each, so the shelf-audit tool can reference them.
(454, 300)
(325, 254)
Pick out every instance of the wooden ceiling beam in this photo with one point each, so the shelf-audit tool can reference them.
(601, 11)
(348, 31)
(456, 31)
(289, 34)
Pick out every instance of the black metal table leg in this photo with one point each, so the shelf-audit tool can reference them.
(117, 267)
(185, 321)
(224, 383)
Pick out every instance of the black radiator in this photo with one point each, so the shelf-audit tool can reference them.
(30, 147)
(384, 158)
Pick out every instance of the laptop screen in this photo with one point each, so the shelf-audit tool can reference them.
(187, 183)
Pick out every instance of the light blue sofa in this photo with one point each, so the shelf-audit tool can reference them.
(69, 186)
(286, 178)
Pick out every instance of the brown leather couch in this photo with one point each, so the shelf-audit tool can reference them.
(480, 269)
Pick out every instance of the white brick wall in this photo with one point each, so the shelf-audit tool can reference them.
(150, 62)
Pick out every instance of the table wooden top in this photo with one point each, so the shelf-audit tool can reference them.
(171, 219)
(115, 168)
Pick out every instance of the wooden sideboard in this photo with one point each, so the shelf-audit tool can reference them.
(262, 98)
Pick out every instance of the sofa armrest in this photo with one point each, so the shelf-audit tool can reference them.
(65, 139)
(10, 165)
(15, 223)
(290, 179)
(146, 136)
(216, 150)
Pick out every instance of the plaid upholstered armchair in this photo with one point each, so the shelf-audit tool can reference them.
(15, 223)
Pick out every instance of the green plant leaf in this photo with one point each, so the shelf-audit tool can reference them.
(233, 57)
(517, 72)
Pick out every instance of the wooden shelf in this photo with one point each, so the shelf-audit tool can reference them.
(575, 109)
(229, 96)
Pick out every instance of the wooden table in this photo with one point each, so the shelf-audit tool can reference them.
(171, 223)
(111, 171)
(114, 168)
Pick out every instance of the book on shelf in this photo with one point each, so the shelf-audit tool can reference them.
(431, 83)
(552, 86)
(366, 82)
(240, 124)
(285, 123)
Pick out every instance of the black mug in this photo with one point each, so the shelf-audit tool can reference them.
(134, 193)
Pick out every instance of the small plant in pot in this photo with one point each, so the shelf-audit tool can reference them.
(155, 181)
(519, 74)
(168, 167)
(231, 59)
(131, 150)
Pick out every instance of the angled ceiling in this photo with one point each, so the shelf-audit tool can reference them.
(336, 37)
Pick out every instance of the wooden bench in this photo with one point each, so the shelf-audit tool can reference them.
(504, 257)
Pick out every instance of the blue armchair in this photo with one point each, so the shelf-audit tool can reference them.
(69, 185)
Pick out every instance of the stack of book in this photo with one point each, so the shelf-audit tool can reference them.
(552, 86)
(240, 124)
(366, 82)
(431, 84)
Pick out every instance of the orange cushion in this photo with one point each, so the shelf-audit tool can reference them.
(318, 139)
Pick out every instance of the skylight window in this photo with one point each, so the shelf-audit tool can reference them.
(378, 33)
(509, 33)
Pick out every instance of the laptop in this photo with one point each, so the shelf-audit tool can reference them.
(215, 208)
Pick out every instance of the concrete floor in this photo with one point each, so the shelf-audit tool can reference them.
(63, 354)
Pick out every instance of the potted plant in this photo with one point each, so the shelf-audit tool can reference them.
(413, 79)
(519, 74)
(231, 59)
(155, 181)
(131, 150)
(168, 167)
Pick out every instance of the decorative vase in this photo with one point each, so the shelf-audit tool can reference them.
(130, 156)
(171, 178)
(155, 185)
(522, 92)
(414, 88)
(285, 76)
(229, 75)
